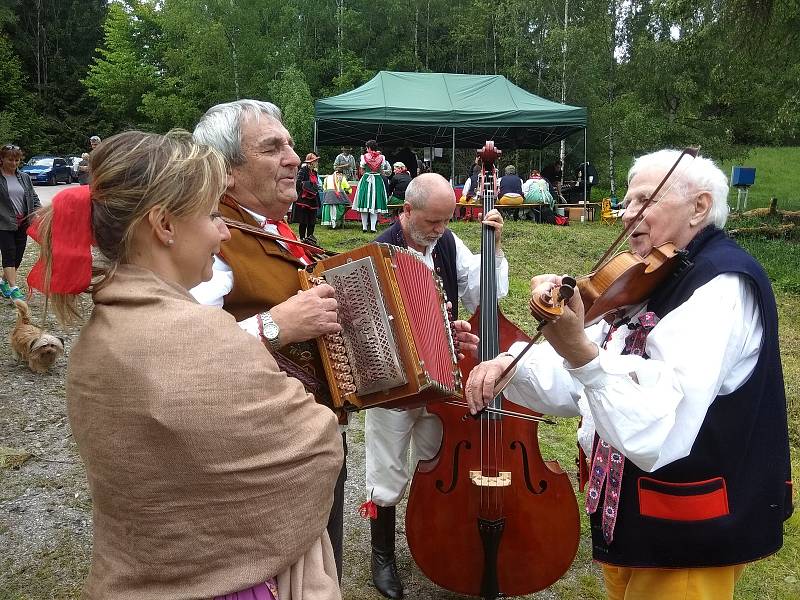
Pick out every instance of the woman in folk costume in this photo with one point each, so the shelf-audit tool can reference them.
(536, 189)
(334, 197)
(211, 472)
(371, 194)
(304, 209)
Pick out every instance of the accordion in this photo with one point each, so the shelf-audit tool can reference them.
(396, 348)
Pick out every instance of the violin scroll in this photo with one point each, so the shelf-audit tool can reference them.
(548, 304)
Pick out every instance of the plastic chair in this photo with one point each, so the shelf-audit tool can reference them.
(607, 215)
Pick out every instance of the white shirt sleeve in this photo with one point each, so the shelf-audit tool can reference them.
(468, 271)
(652, 409)
(467, 187)
(526, 186)
(213, 291)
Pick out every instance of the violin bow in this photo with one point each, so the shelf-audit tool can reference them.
(504, 377)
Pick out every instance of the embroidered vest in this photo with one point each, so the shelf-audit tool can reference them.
(444, 259)
(725, 503)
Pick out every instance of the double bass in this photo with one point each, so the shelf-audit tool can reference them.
(487, 516)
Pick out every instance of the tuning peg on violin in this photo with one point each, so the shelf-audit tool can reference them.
(548, 304)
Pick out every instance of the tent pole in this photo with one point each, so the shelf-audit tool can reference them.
(453, 161)
(585, 177)
(315, 137)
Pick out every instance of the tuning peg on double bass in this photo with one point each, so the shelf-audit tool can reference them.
(548, 304)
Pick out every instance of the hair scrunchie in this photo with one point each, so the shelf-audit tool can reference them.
(71, 244)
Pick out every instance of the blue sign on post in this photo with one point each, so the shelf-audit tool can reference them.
(742, 178)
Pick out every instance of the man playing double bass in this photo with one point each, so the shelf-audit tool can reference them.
(682, 399)
(422, 226)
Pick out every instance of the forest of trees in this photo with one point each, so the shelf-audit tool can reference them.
(720, 73)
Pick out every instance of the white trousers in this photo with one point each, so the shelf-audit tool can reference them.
(387, 437)
(369, 221)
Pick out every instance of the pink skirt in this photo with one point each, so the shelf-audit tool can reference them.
(263, 591)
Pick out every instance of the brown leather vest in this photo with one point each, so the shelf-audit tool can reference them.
(265, 274)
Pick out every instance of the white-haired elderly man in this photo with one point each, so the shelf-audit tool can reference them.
(255, 278)
(682, 399)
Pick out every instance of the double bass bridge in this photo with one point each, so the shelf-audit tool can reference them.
(503, 479)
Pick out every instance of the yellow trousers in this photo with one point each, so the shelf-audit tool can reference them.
(712, 583)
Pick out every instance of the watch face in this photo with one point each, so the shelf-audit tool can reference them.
(271, 331)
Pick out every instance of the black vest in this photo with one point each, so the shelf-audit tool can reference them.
(725, 503)
(444, 259)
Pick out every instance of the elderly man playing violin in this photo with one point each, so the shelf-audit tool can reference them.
(682, 399)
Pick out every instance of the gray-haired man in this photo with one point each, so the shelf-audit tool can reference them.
(255, 279)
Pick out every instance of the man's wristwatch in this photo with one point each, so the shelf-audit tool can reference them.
(270, 330)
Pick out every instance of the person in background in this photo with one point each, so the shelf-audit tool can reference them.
(553, 173)
(537, 191)
(83, 169)
(211, 472)
(335, 201)
(586, 169)
(682, 400)
(304, 209)
(510, 190)
(346, 158)
(470, 190)
(407, 156)
(371, 193)
(18, 201)
(398, 183)
(84, 175)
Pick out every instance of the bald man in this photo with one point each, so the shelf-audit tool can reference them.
(422, 227)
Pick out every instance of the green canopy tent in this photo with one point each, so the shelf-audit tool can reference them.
(441, 110)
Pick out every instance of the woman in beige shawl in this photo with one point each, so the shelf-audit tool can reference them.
(211, 471)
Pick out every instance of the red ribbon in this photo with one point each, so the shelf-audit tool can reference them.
(71, 244)
(368, 510)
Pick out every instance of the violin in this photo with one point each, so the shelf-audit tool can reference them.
(488, 516)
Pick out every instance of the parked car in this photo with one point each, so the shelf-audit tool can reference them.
(48, 169)
(73, 161)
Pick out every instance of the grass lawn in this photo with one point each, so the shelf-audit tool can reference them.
(533, 249)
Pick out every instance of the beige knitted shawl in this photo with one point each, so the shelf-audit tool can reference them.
(210, 470)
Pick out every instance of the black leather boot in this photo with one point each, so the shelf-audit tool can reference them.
(384, 566)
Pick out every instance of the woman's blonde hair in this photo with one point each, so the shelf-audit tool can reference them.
(132, 173)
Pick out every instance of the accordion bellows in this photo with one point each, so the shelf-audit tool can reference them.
(396, 348)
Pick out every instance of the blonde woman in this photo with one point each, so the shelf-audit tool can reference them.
(210, 477)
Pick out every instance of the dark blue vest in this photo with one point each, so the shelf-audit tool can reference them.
(510, 184)
(444, 259)
(725, 503)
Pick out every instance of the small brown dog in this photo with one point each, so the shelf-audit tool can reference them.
(29, 343)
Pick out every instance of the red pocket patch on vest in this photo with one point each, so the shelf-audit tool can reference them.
(694, 501)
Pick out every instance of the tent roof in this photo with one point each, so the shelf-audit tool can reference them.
(421, 109)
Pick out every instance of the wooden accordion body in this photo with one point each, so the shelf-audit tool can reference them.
(396, 348)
